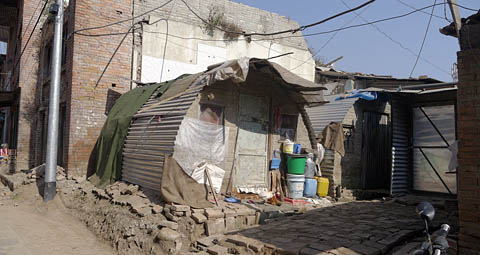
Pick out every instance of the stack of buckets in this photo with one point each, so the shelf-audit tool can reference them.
(301, 178)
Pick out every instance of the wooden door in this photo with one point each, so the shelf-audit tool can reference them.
(251, 151)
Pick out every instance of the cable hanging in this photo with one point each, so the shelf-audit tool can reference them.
(424, 39)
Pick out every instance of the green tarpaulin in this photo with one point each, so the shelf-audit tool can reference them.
(108, 168)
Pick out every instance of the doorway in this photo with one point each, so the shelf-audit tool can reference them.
(251, 151)
(375, 151)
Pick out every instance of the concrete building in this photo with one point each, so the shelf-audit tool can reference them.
(192, 45)
(142, 52)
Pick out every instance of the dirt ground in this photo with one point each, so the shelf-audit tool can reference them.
(29, 226)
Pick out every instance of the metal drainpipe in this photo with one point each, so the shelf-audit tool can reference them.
(52, 136)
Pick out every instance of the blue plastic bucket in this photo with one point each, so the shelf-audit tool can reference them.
(295, 185)
(310, 187)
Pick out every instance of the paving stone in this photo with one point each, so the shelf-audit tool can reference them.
(408, 248)
(211, 240)
(129, 190)
(230, 213)
(168, 234)
(310, 251)
(199, 218)
(256, 246)
(171, 217)
(187, 213)
(145, 211)
(238, 240)
(230, 224)
(251, 220)
(215, 226)
(194, 210)
(178, 214)
(217, 250)
(157, 209)
(395, 238)
(343, 251)
(168, 224)
(214, 213)
(180, 208)
(366, 250)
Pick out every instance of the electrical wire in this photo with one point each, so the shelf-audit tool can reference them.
(118, 22)
(301, 28)
(282, 37)
(397, 42)
(113, 55)
(31, 17)
(328, 41)
(424, 39)
(414, 8)
(30, 36)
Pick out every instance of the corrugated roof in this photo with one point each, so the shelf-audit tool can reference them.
(335, 111)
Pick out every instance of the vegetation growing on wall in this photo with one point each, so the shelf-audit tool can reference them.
(216, 19)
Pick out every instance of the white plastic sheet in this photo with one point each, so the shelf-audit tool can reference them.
(215, 172)
(199, 143)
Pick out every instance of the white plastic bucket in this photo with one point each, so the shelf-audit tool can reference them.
(295, 185)
(288, 146)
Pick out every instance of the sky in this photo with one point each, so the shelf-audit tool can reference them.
(388, 48)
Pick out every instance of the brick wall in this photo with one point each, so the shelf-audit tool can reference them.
(468, 124)
(87, 104)
(27, 81)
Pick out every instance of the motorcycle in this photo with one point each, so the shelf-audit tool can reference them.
(440, 245)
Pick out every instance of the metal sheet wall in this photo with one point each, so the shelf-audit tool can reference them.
(327, 167)
(335, 111)
(431, 148)
(151, 136)
(400, 150)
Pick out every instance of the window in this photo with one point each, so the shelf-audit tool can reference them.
(288, 127)
(211, 113)
(64, 43)
(47, 61)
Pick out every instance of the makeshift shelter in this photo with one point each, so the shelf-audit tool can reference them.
(228, 119)
(401, 142)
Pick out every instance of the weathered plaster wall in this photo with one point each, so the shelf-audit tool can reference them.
(190, 49)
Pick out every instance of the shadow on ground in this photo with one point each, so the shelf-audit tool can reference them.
(361, 227)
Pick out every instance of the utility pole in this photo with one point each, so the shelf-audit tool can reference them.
(52, 136)
(456, 16)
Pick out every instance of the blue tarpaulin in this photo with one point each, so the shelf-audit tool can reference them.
(358, 94)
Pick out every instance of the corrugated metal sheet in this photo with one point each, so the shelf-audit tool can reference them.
(327, 167)
(335, 111)
(151, 136)
(400, 151)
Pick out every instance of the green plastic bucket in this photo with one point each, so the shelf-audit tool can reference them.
(296, 164)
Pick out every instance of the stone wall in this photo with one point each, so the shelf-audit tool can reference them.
(468, 124)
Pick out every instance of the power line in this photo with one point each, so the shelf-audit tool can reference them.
(327, 42)
(282, 37)
(120, 21)
(397, 42)
(31, 17)
(301, 28)
(424, 38)
(414, 8)
(113, 55)
(30, 37)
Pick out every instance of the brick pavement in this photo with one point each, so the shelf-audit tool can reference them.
(361, 227)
